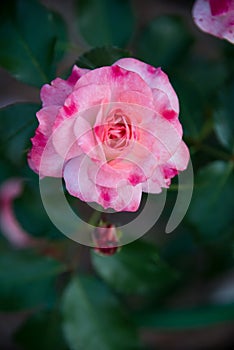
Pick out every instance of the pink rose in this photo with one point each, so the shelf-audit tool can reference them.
(111, 133)
(215, 17)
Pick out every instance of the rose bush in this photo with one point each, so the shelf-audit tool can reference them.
(111, 133)
(215, 17)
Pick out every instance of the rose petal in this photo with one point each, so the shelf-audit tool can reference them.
(220, 7)
(77, 182)
(57, 92)
(156, 182)
(117, 173)
(180, 158)
(161, 137)
(43, 158)
(80, 185)
(117, 79)
(161, 177)
(72, 133)
(221, 26)
(128, 199)
(154, 77)
(81, 100)
(52, 163)
(46, 117)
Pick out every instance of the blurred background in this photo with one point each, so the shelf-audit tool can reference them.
(162, 291)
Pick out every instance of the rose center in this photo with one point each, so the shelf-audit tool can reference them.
(117, 131)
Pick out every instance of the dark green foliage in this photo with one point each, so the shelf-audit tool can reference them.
(27, 280)
(75, 298)
(163, 42)
(101, 56)
(105, 22)
(94, 318)
(32, 40)
(127, 273)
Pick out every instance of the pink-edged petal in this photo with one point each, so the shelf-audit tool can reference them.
(52, 163)
(162, 105)
(107, 196)
(57, 92)
(154, 77)
(129, 198)
(137, 165)
(220, 7)
(46, 117)
(161, 177)
(122, 198)
(221, 26)
(161, 137)
(76, 74)
(77, 182)
(118, 80)
(83, 99)
(117, 173)
(105, 175)
(86, 140)
(43, 159)
(74, 137)
(64, 139)
(9, 225)
(72, 131)
(180, 158)
(156, 182)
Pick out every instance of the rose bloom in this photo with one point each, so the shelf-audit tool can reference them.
(111, 133)
(215, 17)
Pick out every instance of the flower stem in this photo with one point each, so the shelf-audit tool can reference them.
(95, 218)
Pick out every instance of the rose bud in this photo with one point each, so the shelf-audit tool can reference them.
(106, 240)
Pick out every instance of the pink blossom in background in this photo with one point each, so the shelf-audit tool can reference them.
(111, 133)
(215, 17)
(9, 224)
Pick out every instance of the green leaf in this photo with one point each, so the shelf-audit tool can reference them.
(211, 208)
(105, 22)
(41, 331)
(17, 125)
(31, 41)
(163, 42)
(94, 319)
(33, 218)
(136, 269)
(191, 107)
(184, 319)
(196, 102)
(180, 251)
(224, 120)
(206, 75)
(101, 56)
(27, 280)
